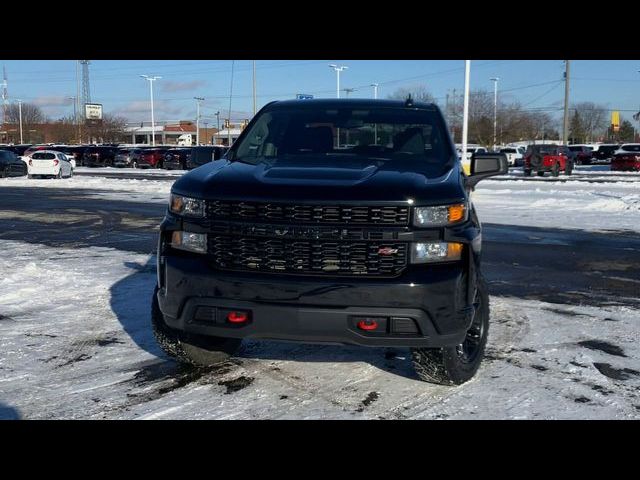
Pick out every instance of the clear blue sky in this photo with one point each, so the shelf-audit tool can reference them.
(117, 85)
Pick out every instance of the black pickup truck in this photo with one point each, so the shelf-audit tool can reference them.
(329, 221)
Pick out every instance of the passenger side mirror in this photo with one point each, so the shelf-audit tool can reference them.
(485, 165)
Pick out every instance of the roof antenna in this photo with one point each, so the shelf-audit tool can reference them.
(409, 101)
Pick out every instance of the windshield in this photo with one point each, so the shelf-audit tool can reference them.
(630, 148)
(508, 150)
(340, 136)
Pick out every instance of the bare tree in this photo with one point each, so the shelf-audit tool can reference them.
(112, 129)
(593, 120)
(31, 117)
(64, 130)
(419, 93)
(31, 114)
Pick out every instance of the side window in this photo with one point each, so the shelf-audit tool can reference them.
(255, 144)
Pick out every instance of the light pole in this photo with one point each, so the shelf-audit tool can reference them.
(217, 114)
(375, 90)
(206, 130)
(75, 111)
(153, 121)
(20, 115)
(255, 99)
(198, 100)
(338, 69)
(495, 108)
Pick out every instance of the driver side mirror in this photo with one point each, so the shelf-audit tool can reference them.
(485, 165)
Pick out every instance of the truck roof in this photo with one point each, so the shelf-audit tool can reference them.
(349, 102)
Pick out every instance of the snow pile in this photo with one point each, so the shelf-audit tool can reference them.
(136, 190)
(586, 206)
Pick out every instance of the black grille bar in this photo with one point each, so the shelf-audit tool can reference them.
(310, 214)
(315, 257)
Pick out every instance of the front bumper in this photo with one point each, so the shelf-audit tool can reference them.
(432, 300)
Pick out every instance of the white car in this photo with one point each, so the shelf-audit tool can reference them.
(514, 155)
(49, 163)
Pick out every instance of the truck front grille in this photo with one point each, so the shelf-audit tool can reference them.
(311, 257)
(310, 214)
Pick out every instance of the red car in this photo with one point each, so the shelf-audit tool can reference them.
(627, 158)
(152, 157)
(547, 158)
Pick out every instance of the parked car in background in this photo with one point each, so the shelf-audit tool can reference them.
(603, 152)
(471, 149)
(176, 158)
(17, 149)
(98, 156)
(49, 163)
(582, 154)
(205, 154)
(151, 157)
(34, 148)
(514, 155)
(547, 158)
(626, 158)
(11, 165)
(123, 158)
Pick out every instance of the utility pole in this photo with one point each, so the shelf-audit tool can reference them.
(255, 102)
(338, 69)
(153, 121)
(495, 109)
(20, 116)
(217, 114)
(565, 129)
(465, 114)
(5, 95)
(198, 101)
(206, 131)
(78, 128)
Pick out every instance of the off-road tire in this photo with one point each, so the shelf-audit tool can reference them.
(540, 173)
(196, 350)
(568, 169)
(527, 172)
(447, 366)
(4, 173)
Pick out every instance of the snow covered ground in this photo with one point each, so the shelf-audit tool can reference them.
(75, 340)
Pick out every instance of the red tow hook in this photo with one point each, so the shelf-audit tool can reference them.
(237, 317)
(367, 325)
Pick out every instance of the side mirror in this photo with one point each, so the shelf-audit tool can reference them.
(485, 165)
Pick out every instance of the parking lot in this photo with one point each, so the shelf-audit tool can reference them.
(78, 256)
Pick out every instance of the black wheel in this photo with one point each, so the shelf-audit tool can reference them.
(458, 364)
(555, 170)
(59, 176)
(541, 173)
(71, 173)
(4, 172)
(527, 172)
(196, 350)
(568, 169)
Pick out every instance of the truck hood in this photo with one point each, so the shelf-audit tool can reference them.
(319, 181)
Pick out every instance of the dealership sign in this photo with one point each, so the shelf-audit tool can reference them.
(93, 113)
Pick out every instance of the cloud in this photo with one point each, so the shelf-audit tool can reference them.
(140, 110)
(182, 86)
(52, 101)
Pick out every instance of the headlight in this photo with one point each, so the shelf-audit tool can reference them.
(434, 252)
(191, 242)
(188, 207)
(439, 216)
